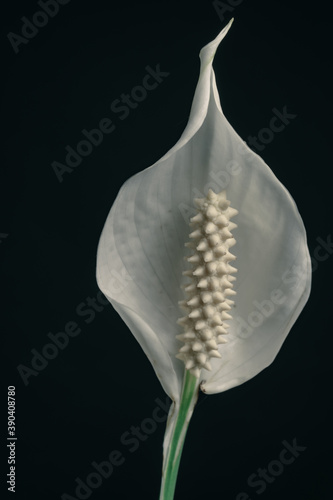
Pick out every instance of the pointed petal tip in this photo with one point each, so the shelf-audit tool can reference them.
(207, 53)
(217, 40)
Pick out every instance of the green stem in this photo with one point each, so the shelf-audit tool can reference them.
(173, 454)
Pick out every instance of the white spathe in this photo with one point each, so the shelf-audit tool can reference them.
(148, 225)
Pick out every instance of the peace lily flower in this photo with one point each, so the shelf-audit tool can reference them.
(232, 329)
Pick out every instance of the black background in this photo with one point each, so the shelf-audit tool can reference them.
(76, 409)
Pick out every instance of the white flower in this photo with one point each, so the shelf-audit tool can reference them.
(147, 228)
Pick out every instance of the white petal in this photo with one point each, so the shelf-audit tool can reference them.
(144, 235)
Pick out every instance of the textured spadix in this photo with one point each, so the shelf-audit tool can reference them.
(210, 287)
(145, 232)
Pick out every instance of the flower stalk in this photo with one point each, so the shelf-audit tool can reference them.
(173, 453)
(144, 237)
